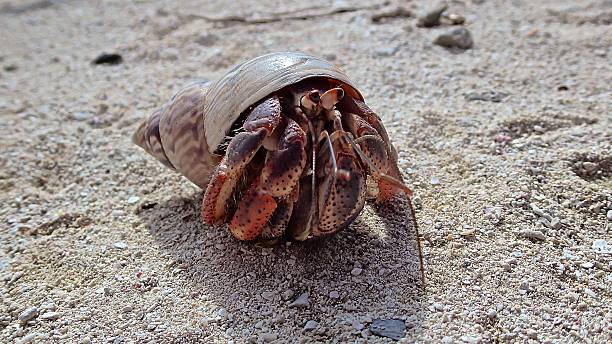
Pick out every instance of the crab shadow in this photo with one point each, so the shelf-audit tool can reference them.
(369, 270)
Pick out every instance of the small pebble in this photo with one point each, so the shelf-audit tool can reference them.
(447, 340)
(392, 328)
(120, 245)
(301, 302)
(457, 38)
(438, 306)
(334, 295)
(288, 294)
(28, 314)
(431, 18)
(525, 286)
(29, 338)
(277, 320)
(310, 325)
(386, 51)
(456, 19)
(435, 181)
(589, 166)
(126, 309)
(268, 337)
(50, 316)
(590, 292)
(133, 199)
(533, 334)
(587, 265)
(555, 224)
(81, 116)
(532, 234)
(609, 215)
(356, 271)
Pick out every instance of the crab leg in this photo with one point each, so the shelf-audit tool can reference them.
(259, 125)
(375, 154)
(279, 177)
(342, 191)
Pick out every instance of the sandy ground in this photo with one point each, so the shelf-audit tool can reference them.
(102, 244)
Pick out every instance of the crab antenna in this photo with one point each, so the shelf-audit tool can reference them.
(398, 183)
(325, 136)
(313, 180)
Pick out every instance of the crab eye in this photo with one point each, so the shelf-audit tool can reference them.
(315, 96)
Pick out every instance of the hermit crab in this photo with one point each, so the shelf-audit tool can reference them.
(283, 144)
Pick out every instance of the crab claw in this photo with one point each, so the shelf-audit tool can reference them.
(259, 125)
(255, 208)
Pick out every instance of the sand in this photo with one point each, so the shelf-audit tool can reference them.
(507, 146)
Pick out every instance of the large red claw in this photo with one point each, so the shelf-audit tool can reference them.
(210, 214)
(252, 214)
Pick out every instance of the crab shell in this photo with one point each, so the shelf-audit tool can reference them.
(186, 131)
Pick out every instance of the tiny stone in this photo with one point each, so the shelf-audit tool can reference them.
(50, 316)
(120, 245)
(277, 320)
(456, 38)
(356, 271)
(492, 313)
(609, 215)
(301, 302)
(310, 325)
(587, 265)
(525, 286)
(387, 51)
(81, 116)
(447, 340)
(127, 309)
(572, 297)
(531, 234)
(133, 199)
(555, 224)
(435, 181)
(268, 337)
(456, 19)
(334, 294)
(431, 18)
(393, 328)
(589, 166)
(438, 306)
(288, 294)
(28, 338)
(28, 314)
(590, 292)
(533, 334)
(601, 246)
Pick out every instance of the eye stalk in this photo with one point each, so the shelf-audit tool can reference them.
(310, 101)
(314, 102)
(315, 96)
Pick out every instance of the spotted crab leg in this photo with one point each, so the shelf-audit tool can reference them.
(258, 126)
(341, 194)
(268, 198)
(374, 152)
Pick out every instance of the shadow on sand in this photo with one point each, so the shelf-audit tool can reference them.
(256, 284)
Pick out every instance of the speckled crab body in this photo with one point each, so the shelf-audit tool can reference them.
(283, 144)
